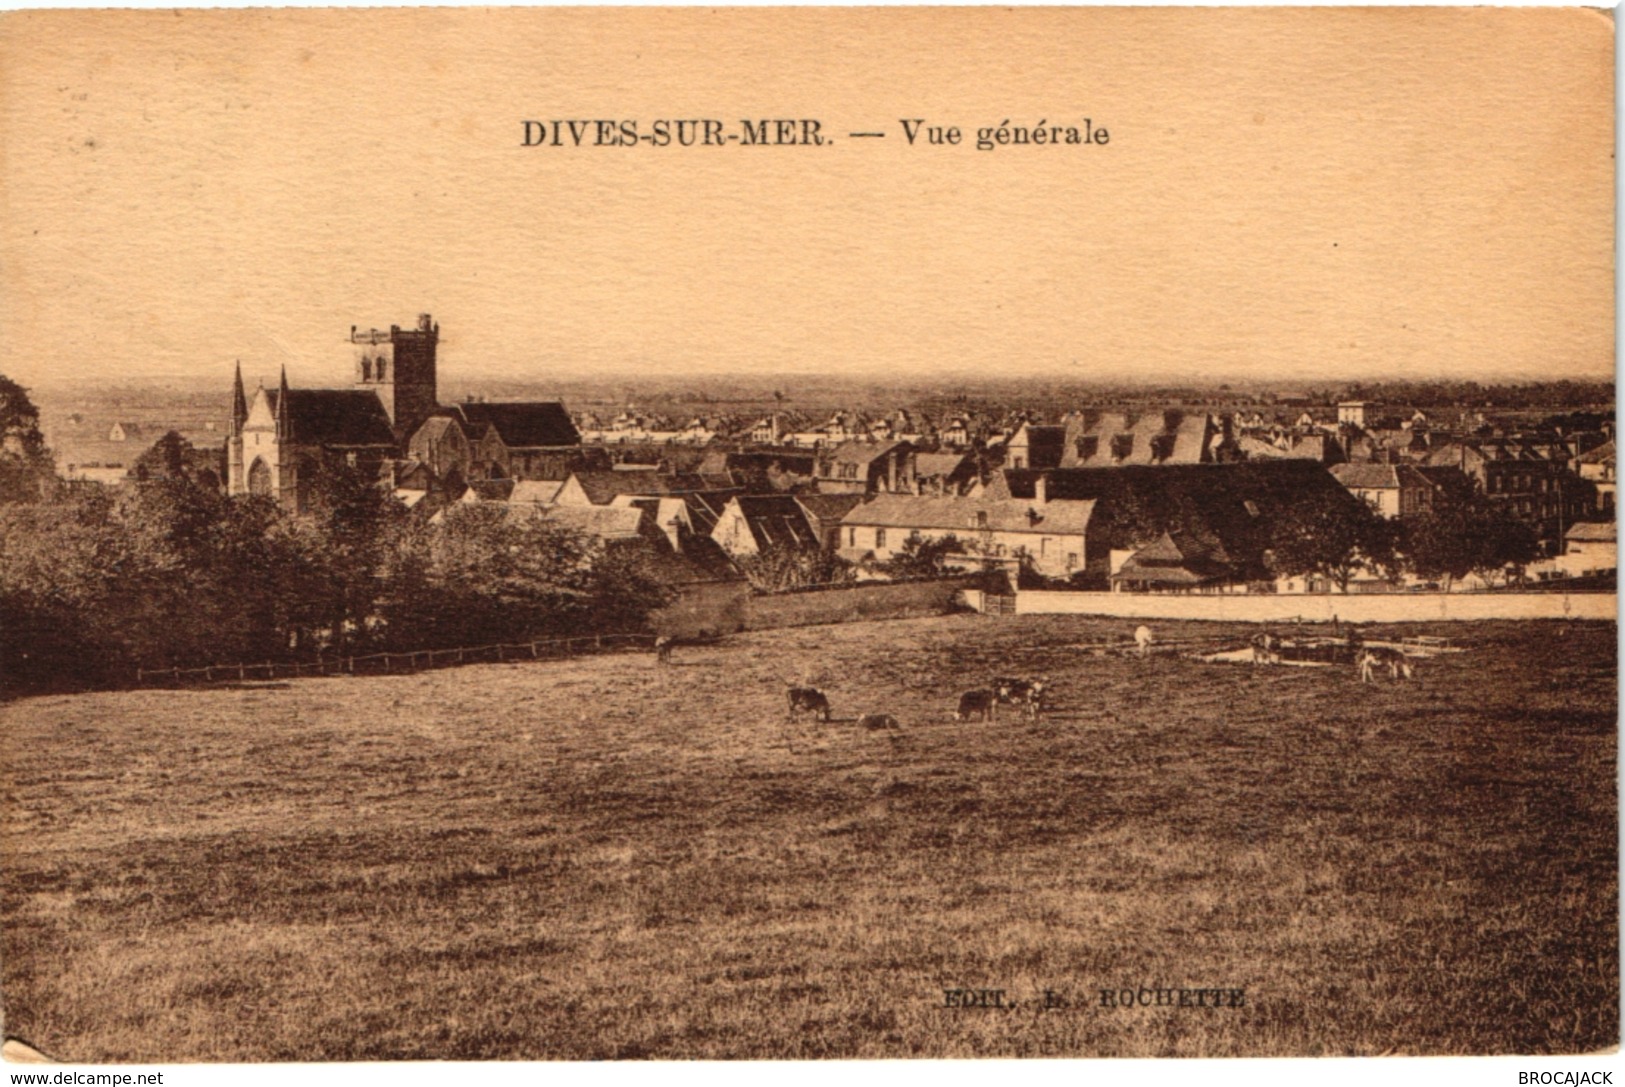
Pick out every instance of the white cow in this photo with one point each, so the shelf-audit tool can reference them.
(1143, 639)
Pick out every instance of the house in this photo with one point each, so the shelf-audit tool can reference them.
(1221, 513)
(516, 440)
(957, 433)
(943, 473)
(1597, 468)
(1035, 446)
(1052, 535)
(754, 524)
(1590, 547)
(1352, 413)
(825, 512)
(1093, 439)
(124, 432)
(1290, 444)
(867, 468)
(1530, 480)
(1173, 562)
(601, 488)
(1392, 490)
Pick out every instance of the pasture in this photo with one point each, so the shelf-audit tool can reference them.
(607, 858)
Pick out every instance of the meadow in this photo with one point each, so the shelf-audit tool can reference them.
(604, 858)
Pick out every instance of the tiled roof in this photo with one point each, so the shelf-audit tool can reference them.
(1369, 477)
(777, 521)
(1596, 531)
(335, 417)
(602, 487)
(966, 514)
(1603, 454)
(519, 425)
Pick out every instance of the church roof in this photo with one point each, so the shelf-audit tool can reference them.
(520, 424)
(334, 417)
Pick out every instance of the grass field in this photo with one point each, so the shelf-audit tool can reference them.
(601, 858)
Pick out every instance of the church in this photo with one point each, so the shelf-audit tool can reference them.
(280, 442)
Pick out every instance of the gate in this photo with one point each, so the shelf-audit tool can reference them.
(997, 604)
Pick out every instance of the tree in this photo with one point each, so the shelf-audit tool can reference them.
(1466, 533)
(922, 557)
(1330, 534)
(780, 570)
(26, 465)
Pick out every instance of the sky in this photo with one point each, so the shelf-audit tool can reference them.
(1287, 195)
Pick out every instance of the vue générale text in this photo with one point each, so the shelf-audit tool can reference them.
(807, 132)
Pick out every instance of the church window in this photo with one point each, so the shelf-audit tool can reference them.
(366, 369)
(259, 478)
(381, 368)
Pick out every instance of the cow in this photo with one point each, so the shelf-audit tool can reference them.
(878, 722)
(663, 647)
(1373, 656)
(1143, 639)
(810, 699)
(1266, 648)
(985, 703)
(1026, 693)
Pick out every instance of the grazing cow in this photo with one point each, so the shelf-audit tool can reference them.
(985, 703)
(1374, 656)
(1143, 639)
(810, 699)
(663, 645)
(1026, 693)
(1266, 648)
(878, 722)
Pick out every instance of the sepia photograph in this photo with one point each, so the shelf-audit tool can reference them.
(797, 534)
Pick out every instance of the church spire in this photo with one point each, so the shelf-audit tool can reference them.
(284, 410)
(239, 403)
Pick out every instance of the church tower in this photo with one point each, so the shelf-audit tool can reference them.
(234, 435)
(399, 365)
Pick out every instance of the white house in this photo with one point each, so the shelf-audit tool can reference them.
(1051, 533)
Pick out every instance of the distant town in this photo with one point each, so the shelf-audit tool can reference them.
(1191, 490)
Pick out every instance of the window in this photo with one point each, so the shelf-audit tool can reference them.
(880, 537)
(349, 459)
(1071, 560)
(981, 518)
(851, 537)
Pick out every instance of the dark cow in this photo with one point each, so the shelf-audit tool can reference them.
(663, 647)
(878, 722)
(984, 703)
(810, 699)
(1026, 693)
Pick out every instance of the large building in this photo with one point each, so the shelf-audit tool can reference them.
(281, 440)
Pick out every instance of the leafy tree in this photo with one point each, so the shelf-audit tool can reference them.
(26, 465)
(922, 557)
(1330, 534)
(781, 570)
(1466, 533)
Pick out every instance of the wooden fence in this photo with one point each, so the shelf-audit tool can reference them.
(395, 663)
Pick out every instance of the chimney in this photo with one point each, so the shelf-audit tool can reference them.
(1041, 490)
